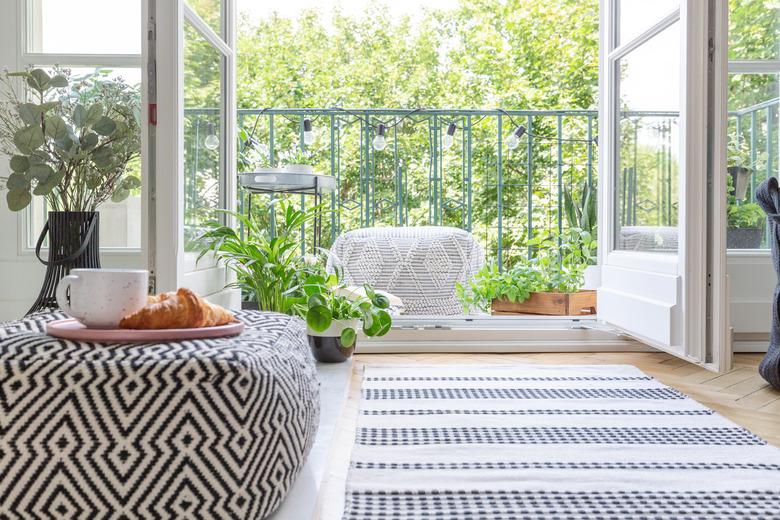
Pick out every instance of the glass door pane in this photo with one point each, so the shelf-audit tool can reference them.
(203, 142)
(646, 190)
(636, 16)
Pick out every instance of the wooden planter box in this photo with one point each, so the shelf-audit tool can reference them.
(580, 303)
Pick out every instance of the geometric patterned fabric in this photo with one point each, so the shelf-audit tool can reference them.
(420, 265)
(211, 428)
(543, 442)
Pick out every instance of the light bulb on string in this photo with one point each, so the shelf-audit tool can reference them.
(513, 141)
(449, 137)
(380, 142)
(211, 142)
(308, 134)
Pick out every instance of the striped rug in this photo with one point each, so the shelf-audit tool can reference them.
(549, 442)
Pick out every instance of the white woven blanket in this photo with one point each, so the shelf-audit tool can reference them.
(531, 441)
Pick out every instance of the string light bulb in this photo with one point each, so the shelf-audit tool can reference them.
(380, 142)
(449, 137)
(308, 134)
(212, 141)
(513, 141)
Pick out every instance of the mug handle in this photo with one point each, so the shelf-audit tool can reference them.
(62, 294)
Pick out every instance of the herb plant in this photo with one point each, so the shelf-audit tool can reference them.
(558, 265)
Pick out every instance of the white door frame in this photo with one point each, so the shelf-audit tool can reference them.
(663, 299)
(170, 265)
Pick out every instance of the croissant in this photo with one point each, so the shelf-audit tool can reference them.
(182, 309)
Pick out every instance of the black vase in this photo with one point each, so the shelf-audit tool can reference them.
(73, 243)
(328, 349)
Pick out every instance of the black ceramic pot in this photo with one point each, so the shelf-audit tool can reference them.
(328, 349)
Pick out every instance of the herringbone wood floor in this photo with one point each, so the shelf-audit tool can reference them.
(740, 395)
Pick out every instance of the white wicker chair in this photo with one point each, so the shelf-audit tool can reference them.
(420, 265)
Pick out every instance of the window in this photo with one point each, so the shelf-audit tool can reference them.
(89, 36)
(753, 105)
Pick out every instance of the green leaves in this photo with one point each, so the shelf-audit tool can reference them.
(46, 187)
(56, 128)
(105, 126)
(123, 190)
(18, 199)
(28, 139)
(348, 337)
(319, 318)
(30, 113)
(17, 181)
(38, 80)
(19, 163)
(93, 114)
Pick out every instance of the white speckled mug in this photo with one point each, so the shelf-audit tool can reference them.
(100, 298)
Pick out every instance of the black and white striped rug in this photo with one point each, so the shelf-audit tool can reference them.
(544, 442)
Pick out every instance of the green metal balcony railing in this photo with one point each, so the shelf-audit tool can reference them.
(479, 178)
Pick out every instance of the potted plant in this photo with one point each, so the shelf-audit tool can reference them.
(334, 313)
(269, 268)
(71, 141)
(297, 161)
(739, 169)
(550, 283)
(581, 213)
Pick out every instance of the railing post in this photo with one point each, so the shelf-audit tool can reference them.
(530, 179)
(559, 136)
(399, 218)
(499, 192)
(590, 152)
(333, 174)
(303, 197)
(271, 159)
(468, 174)
(753, 145)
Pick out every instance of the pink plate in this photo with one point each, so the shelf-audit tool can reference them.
(72, 329)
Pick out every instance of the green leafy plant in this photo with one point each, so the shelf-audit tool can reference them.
(323, 298)
(70, 140)
(749, 215)
(580, 211)
(270, 269)
(296, 156)
(745, 215)
(558, 265)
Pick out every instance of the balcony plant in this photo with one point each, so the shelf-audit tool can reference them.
(745, 222)
(334, 313)
(296, 161)
(73, 142)
(269, 268)
(548, 283)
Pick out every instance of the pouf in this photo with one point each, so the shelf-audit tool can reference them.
(216, 428)
(421, 265)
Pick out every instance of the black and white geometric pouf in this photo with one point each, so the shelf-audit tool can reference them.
(216, 428)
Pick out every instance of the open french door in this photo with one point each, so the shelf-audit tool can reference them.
(189, 149)
(662, 175)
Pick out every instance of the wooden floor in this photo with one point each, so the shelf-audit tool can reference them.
(740, 395)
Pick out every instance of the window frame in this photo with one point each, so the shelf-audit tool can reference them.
(25, 59)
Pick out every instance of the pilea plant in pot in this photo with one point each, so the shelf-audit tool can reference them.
(335, 313)
(71, 141)
(549, 283)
